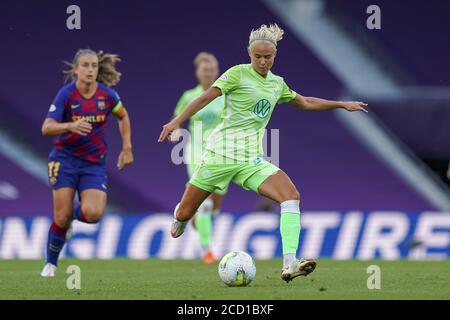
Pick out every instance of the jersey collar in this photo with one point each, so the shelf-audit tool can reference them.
(256, 74)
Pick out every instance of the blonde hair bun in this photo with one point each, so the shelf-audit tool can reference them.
(272, 33)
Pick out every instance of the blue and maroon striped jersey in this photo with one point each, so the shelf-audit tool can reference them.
(70, 105)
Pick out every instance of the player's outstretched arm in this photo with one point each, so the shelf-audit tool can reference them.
(51, 127)
(195, 106)
(317, 104)
(126, 155)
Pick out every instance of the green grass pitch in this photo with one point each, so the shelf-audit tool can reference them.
(191, 280)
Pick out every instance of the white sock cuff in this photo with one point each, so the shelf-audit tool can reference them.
(206, 207)
(291, 206)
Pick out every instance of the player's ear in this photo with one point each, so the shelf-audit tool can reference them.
(249, 51)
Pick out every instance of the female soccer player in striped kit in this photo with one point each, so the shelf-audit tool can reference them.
(77, 119)
(251, 93)
(200, 127)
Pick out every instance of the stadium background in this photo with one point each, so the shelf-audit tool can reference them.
(372, 185)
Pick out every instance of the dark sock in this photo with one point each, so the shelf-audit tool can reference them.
(55, 242)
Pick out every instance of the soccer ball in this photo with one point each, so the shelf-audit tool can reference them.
(237, 269)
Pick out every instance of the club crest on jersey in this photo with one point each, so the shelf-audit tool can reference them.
(257, 160)
(223, 77)
(262, 108)
(101, 104)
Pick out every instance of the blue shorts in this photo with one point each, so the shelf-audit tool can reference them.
(65, 171)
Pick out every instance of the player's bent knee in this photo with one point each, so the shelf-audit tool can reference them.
(91, 214)
(93, 218)
(62, 219)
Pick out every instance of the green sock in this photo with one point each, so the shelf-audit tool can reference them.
(203, 223)
(290, 231)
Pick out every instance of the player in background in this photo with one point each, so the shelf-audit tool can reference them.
(251, 92)
(200, 127)
(77, 119)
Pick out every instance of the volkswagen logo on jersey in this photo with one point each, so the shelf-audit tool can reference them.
(262, 108)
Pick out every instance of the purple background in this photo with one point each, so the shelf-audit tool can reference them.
(157, 42)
